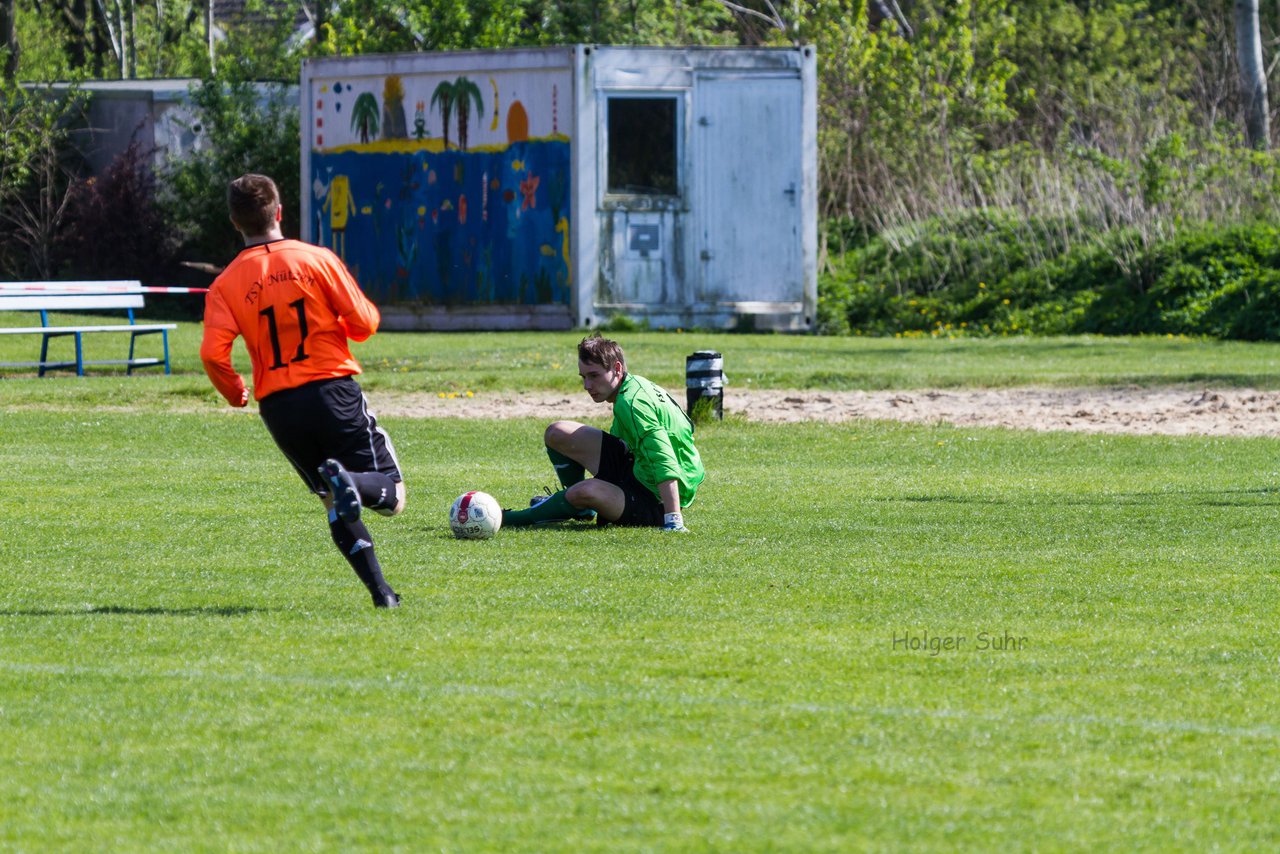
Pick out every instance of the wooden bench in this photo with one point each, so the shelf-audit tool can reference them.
(46, 297)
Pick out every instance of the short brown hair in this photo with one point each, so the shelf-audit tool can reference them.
(595, 349)
(253, 201)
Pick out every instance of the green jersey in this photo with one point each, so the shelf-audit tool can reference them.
(660, 436)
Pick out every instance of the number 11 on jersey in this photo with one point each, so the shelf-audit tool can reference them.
(270, 314)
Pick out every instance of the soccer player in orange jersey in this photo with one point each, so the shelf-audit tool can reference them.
(296, 305)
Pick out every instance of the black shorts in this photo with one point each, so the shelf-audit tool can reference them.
(618, 466)
(328, 419)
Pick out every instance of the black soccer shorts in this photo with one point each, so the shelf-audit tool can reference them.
(328, 419)
(618, 466)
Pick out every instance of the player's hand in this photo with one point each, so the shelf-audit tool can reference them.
(244, 398)
(674, 523)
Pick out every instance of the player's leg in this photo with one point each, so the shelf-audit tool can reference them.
(300, 422)
(615, 493)
(365, 464)
(573, 448)
(596, 451)
(606, 499)
(624, 502)
(353, 490)
(364, 450)
(356, 544)
(553, 508)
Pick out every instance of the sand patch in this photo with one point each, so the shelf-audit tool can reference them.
(1166, 411)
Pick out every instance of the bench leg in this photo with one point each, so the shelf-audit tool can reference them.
(133, 340)
(46, 366)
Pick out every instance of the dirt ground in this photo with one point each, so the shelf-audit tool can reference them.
(1170, 411)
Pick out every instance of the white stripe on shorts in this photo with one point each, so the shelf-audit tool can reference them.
(370, 419)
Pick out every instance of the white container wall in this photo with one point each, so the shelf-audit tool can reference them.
(560, 187)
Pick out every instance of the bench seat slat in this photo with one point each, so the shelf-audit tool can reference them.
(141, 362)
(106, 284)
(68, 330)
(10, 301)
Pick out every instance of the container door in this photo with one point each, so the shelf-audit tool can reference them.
(747, 144)
(640, 208)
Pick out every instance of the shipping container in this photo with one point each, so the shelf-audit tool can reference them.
(553, 188)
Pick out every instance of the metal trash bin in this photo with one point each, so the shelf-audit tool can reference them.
(704, 377)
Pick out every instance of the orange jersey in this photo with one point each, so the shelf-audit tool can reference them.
(296, 305)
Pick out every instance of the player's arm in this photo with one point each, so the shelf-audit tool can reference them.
(215, 352)
(669, 492)
(655, 446)
(359, 316)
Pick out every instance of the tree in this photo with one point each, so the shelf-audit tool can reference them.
(464, 93)
(36, 170)
(364, 116)
(443, 95)
(8, 39)
(1253, 74)
(108, 39)
(245, 127)
(114, 228)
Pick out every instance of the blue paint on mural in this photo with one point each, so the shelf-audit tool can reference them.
(449, 227)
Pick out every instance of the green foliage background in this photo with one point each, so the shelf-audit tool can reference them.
(1058, 151)
(244, 131)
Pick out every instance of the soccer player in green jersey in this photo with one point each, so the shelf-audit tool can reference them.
(645, 470)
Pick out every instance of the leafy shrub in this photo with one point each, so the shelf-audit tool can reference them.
(243, 131)
(113, 227)
(953, 279)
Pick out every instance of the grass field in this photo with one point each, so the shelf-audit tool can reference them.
(877, 636)
(515, 360)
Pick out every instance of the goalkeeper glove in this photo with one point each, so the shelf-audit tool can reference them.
(674, 522)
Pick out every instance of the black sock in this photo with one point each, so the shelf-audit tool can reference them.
(356, 545)
(377, 491)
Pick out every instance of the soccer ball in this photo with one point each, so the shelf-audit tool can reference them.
(475, 516)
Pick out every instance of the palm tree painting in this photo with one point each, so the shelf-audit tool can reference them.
(364, 116)
(444, 97)
(464, 92)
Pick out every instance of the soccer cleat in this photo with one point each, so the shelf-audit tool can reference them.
(346, 500)
(390, 599)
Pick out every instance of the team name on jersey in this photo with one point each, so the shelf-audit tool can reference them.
(305, 277)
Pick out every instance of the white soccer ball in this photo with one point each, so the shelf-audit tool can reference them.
(475, 516)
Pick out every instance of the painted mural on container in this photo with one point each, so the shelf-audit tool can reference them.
(445, 190)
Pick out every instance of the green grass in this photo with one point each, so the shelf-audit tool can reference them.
(482, 362)
(186, 663)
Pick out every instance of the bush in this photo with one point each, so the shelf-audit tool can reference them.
(243, 131)
(113, 227)
(952, 278)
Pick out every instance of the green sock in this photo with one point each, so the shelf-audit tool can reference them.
(567, 470)
(555, 508)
